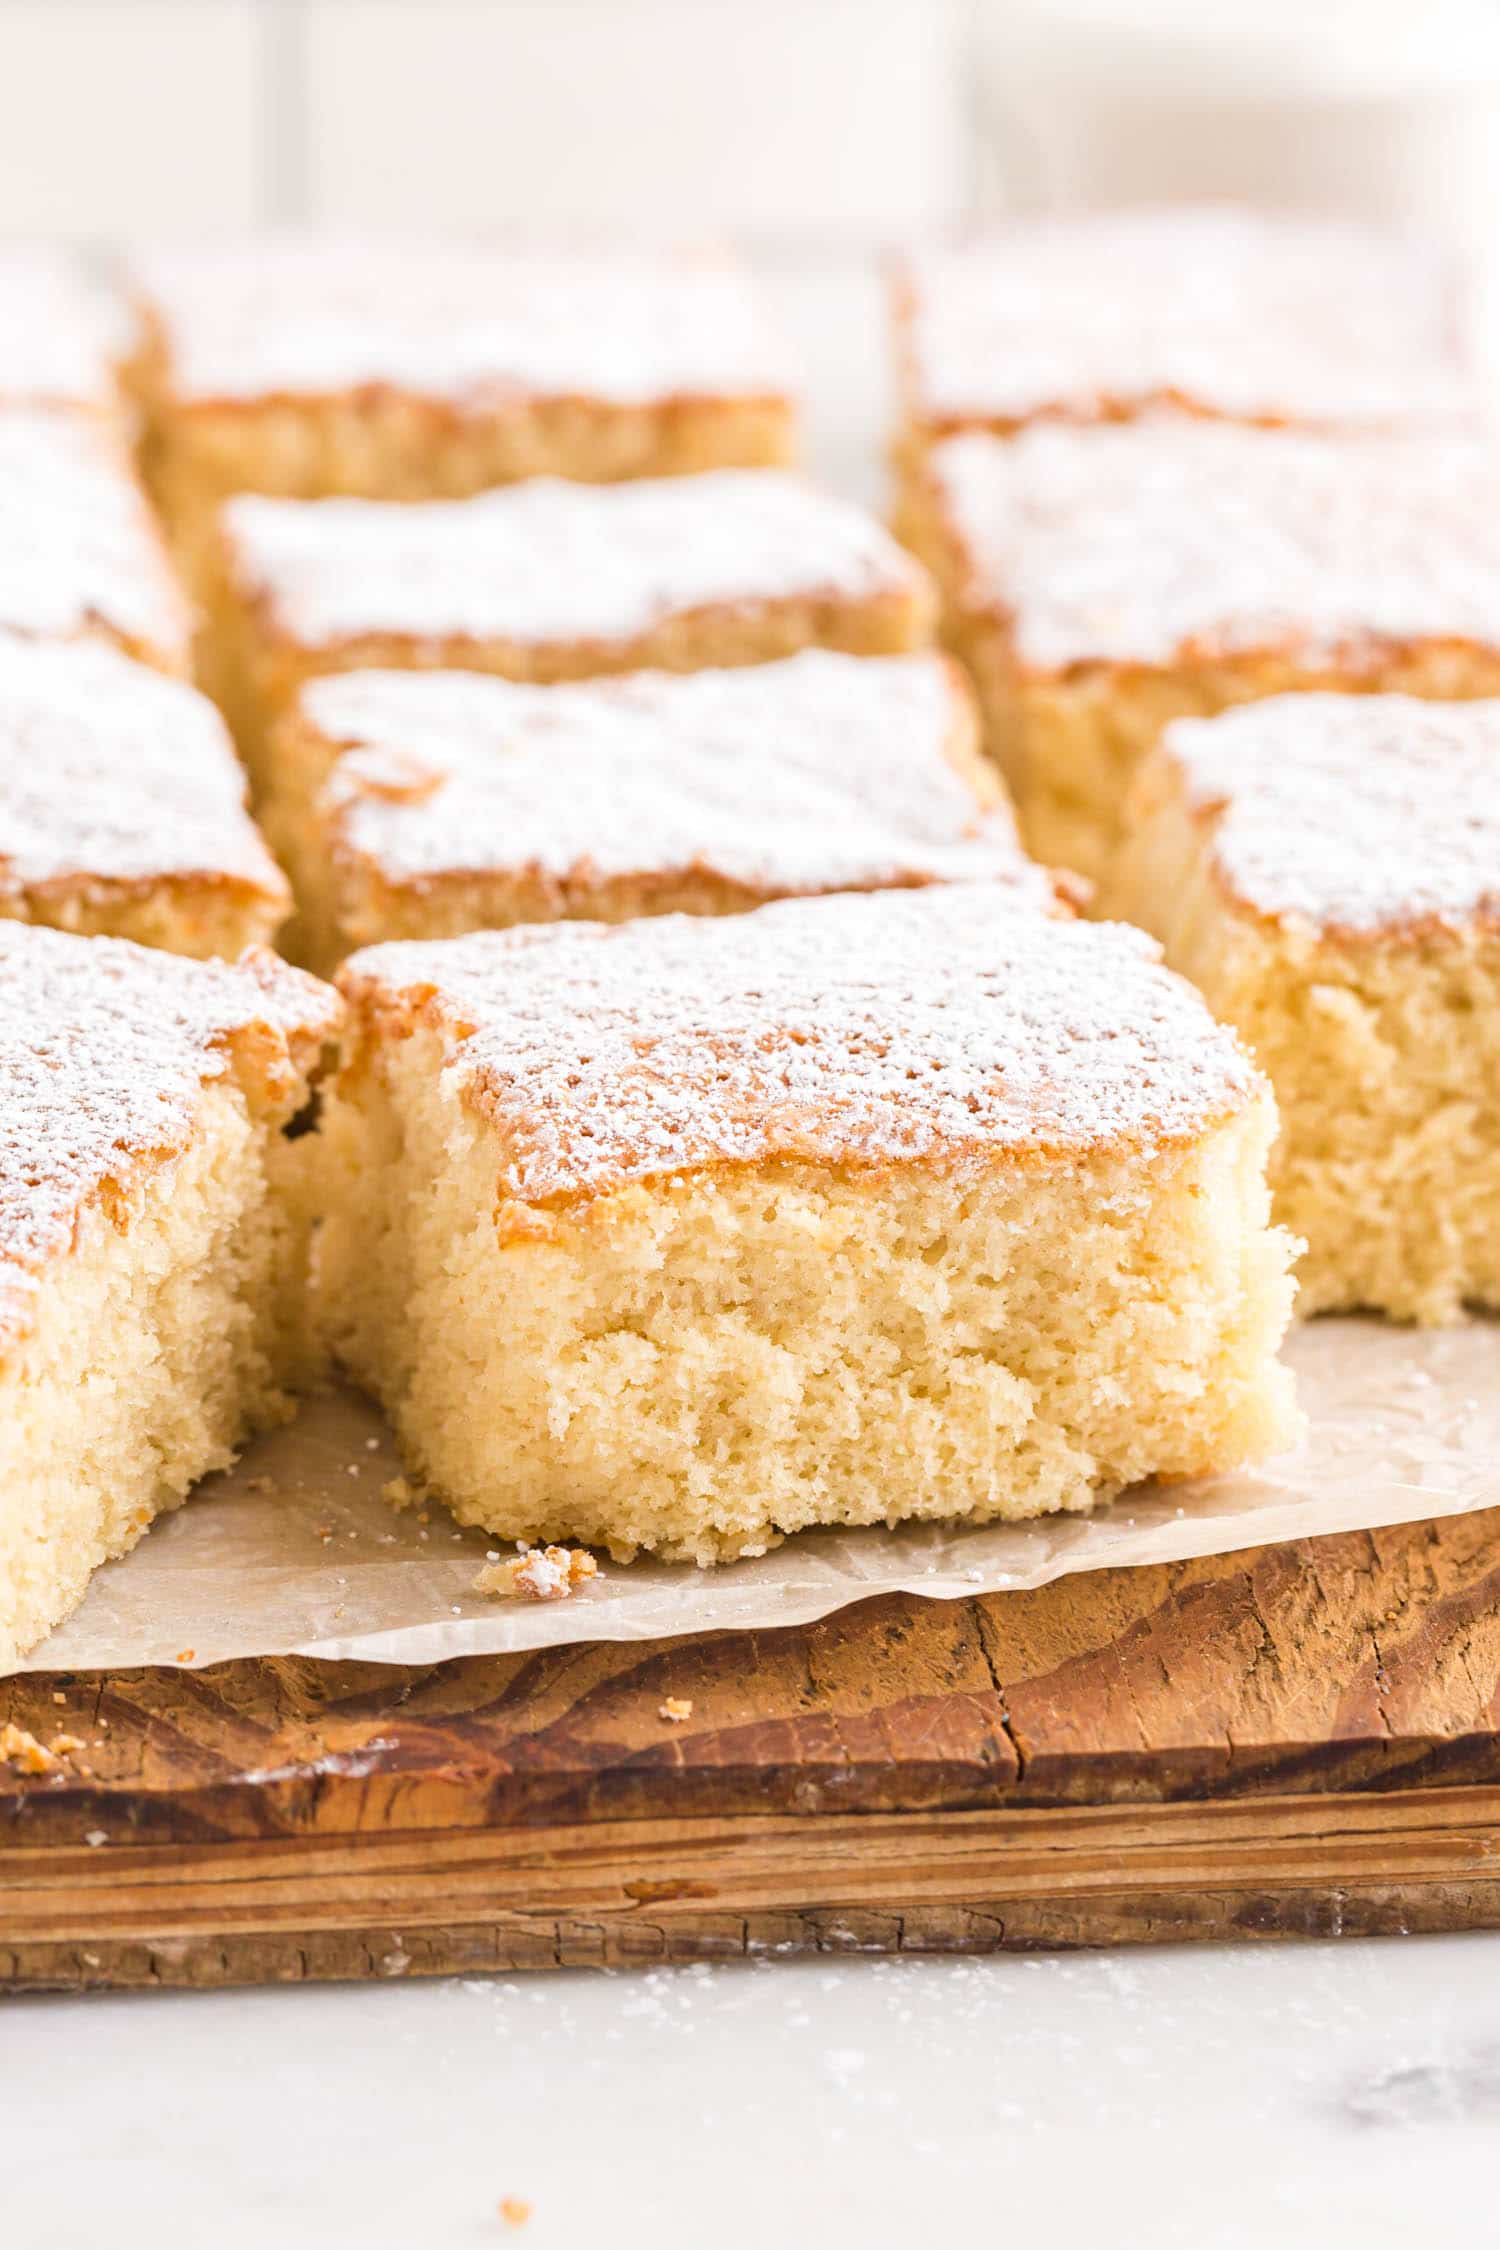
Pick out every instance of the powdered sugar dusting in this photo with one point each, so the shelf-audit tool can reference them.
(57, 335)
(824, 772)
(1255, 317)
(481, 328)
(1154, 540)
(103, 1049)
(950, 1026)
(551, 562)
(1354, 813)
(78, 550)
(109, 769)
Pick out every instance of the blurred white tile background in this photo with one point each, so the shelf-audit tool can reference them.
(812, 130)
(802, 124)
(786, 117)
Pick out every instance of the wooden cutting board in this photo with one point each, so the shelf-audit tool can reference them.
(1304, 1740)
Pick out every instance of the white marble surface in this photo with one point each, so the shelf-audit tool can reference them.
(1201, 2099)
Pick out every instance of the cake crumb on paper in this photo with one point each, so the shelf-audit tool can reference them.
(24, 1752)
(185, 1655)
(514, 2210)
(676, 1708)
(64, 1745)
(538, 1574)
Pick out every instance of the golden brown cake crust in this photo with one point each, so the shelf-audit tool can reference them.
(421, 371)
(1170, 542)
(1361, 818)
(119, 786)
(1216, 312)
(474, 328)
(949, 1029)
(1102, 582)
(1324, 869)
(104, 1050)
(81, 555)
(574, 579)
(459, 801)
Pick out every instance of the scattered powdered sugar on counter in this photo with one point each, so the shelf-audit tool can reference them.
(549, 561)
(1351, 812)
(945, 1024)
(1170, 540)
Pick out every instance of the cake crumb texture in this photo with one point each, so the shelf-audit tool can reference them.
(914, 1206)
(152, 1242)
(21, 1749)
(1323, 868)
(539, 1574)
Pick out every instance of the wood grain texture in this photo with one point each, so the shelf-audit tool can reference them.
(1300, 1739)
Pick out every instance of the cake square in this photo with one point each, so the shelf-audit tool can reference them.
(1327, 869)
(427, 804)
(551, 581)
(122, 806)
(1246, 316)
(1100, 582)
(80, 554)
(410, 370)
(59, 338)
(151, 1256)
(688, 1233)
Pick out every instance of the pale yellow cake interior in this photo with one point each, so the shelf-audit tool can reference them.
(173, 1329)
(1070, 743)
(700, 1365)
(1382, 1051)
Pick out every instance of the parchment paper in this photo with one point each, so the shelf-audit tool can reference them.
(296, 1552)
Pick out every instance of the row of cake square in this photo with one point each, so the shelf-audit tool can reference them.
(639, 1235)
(611, 366)
(1097, 580)
(1197, 635)
(958, 1168)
